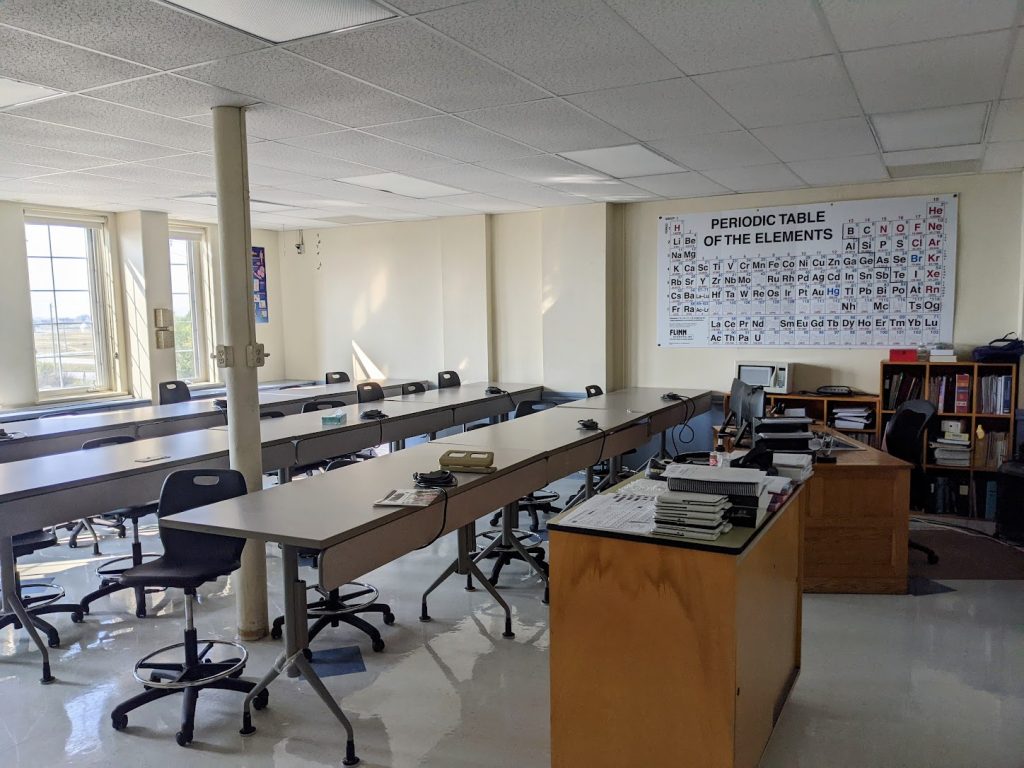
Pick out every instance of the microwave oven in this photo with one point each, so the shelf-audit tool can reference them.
(776, 377)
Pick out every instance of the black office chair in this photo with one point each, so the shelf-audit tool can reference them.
(321, 405)
(39, 599)
(904, 439)
(447, 379)
(174, 392)
(368, 391)
(336, 377)
(413, 388)
(271, 415)
(593, 390)
(336, 607)
(110, 572)
(190, 560)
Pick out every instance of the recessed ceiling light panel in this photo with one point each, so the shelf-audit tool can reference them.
(620, 162)
(926, 128)
(400, 184)
(16, 92)
(282, 20)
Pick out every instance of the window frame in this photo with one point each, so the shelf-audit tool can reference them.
(101, 300)
(199, 298)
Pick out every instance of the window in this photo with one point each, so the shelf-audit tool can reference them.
(69, 280)
(188, 298)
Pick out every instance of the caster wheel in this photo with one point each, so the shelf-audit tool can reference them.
(120, 722)
(378, 646)
(72, 545)
(121, 532)
(77, 617)
(275, 632)
(389, 619)
(262, 699)
(53, 642)
(140, 614)
(183, 739)
(308, 654)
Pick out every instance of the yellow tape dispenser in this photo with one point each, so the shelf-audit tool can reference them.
(477, 462)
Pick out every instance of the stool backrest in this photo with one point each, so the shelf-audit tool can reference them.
(174, 392)
(271, 415)
(336, 377)
(102, 442)
(413, 388)
(526, 407)
(593, 390)
(190, 488)
(448, 379)
(368, 391)
(321, 405)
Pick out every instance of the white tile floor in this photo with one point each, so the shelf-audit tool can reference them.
(886, 681)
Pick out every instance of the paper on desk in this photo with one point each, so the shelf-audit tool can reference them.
(622, 511)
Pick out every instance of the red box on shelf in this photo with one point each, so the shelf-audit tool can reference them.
(902, 355)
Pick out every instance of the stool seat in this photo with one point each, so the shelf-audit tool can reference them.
(33, 541)
(131, 513)
(167, 572)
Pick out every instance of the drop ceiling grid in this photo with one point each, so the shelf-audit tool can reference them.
(659, 68)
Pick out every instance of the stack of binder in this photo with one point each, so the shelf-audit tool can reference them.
(700, 516)
(784, 433)
(745, 489)
(796, 466)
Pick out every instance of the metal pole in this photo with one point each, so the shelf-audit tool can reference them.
(238, 354)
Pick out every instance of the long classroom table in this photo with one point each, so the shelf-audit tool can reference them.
(334, 513)
(62, 434)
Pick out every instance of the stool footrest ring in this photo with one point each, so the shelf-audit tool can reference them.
(225, 669)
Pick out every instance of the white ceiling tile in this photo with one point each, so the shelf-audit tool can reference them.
(274, 177)
(17, 92)
(485, 203)
(1008, 123)
(841, 170)
(611, 190)
(35, 59)
(657, 110)
(1004, 156)
(357, 147)
(943, 127)
(170, 95)
(540, 197)
(321, 213)
(285, 79)
(336, 193)
(49, 158)
(265, 121)
(427, 207)
(453, 138)
(858, 25)
(679, 185)
(1013, 88)
(936, 155)
(197, 163)
(422, 6)
(759, 178)
(471, 177)
(12, 170)
(149, 175)
(712, 35)
(21, 130)
(717, 150)
(400, 184)
(543, 169)
(628, 160)
(933, 74)
(298, 160)
(567, 46)
(791, 92)
(113, 189)
(845, 137)
(179, 209)
(138, 30)
(416, 62)
(550, 125)
(115, 120)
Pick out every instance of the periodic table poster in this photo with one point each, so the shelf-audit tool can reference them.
(865, 273)
(259, 284)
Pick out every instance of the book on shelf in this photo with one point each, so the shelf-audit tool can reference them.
(902, 387)
(993, 449)
(996, 394)
(962, 403)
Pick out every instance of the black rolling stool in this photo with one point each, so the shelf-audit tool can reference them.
(447, 379)
(336, 377)
(369, 391)
(39, 599)
(413, 388)
(336, 607)
(174, 392)
(110, 572)
(190, 560)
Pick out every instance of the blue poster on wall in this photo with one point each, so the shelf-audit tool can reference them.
(259, 284)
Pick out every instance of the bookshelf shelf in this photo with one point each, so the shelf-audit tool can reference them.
(979, 386)
(822, 409)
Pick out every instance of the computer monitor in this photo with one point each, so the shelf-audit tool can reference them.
(752, 403)
(736, 398)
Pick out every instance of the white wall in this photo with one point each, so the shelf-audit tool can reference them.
(988, 295)
(516, 288)
(17, 352)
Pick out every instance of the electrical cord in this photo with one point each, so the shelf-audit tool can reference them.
(444, 518)
(966, 529)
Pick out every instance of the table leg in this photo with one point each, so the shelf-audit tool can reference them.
(663, 452)
(12, 602)
(293, 660)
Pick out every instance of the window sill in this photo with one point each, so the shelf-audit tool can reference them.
(92, 402)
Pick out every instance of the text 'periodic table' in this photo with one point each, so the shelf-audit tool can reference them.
(866, 273)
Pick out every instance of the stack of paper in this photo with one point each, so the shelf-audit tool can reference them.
(949, 453)
(746, 489)
(685, 515)
(853, 418)
(794, 466)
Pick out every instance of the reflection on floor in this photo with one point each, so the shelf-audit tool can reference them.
(931, 680)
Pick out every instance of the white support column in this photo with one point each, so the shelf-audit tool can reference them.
(239, 354)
